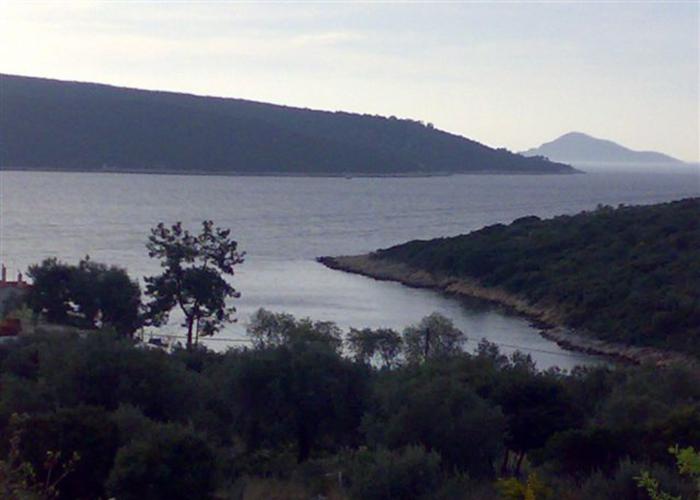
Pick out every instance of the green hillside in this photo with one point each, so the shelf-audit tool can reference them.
(629, 274)
(84, 126)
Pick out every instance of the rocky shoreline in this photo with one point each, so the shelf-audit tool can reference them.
(548, 319)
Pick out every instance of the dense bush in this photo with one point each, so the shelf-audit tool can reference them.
(406, 410)
(295, 414)
(170, 462)
(85, 434)
(85, 294)
(403, 474)
(106, 371)
(623, 483)
(304, 395)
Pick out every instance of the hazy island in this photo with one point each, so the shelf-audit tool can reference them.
(59, 125)
(625, 279)
(582, 149)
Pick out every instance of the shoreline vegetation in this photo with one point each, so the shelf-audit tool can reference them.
(614, 282)
(549, 321)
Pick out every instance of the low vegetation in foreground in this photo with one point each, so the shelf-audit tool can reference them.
(302, 413)
(628, 274)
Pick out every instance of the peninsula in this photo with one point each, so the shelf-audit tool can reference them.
(620, 282)
(60, 125)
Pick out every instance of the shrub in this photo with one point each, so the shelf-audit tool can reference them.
(85, 432)
(171, 462)
(104, 370)
(442, 414)
(623, 483)
(408, 473)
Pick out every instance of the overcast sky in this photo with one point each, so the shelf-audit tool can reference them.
(506, 74)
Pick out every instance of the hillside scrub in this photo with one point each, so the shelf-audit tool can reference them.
(627, 275)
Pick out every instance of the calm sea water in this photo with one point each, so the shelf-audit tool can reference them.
(283, 223)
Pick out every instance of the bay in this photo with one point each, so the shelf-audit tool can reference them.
(284, 223)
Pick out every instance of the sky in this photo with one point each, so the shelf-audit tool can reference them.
(506, 74)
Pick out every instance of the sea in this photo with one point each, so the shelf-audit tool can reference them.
(284, 223)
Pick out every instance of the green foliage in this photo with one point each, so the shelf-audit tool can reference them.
(85, 294)
(84, 433)
(532, 488)
(382, 346)
(193, 277)
(408, 405)
(294, 412)
(267, 329)
(52, 371)
(577, 453)
(105, 371)
(687, 462)
(628, 274)
(435, 336)
(623, 482)
(18, 479)
(403, 474)
(536, 407)
(651, 486)
(51, 290)
(304, 394)
(170, 462)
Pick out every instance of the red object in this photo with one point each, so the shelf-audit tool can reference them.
(10, 327)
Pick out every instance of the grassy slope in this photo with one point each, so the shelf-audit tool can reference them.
(629, 274)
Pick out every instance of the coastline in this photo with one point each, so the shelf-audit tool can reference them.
(347, 175)
(548, 320)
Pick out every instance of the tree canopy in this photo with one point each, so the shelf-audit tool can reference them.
(194, 266)
(85, 295)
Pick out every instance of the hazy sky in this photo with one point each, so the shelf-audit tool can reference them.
(506, 74)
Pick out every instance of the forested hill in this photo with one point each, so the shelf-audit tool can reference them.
(68, 125)
(628, 275)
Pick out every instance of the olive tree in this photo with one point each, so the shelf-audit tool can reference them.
(193, 279)
(367, 345)
(269, 329)
(433, 337)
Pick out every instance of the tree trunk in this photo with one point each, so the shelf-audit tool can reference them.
(190, 323)
(520, 462)
(504, 465)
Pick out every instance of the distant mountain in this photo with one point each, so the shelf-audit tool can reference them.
(578, 148)
(83, 126)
